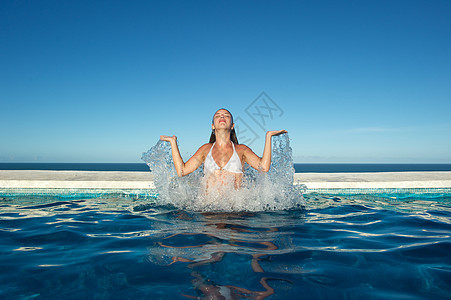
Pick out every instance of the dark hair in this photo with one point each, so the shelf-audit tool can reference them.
(233, 137)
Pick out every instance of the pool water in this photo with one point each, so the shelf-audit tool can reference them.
(118, 247)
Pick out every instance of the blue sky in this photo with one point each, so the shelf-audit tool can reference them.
(351, 81)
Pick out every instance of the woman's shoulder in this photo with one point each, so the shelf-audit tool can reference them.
(203, 150)
(241, 148)
(206, 147)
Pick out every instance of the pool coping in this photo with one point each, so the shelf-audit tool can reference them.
(95, 182)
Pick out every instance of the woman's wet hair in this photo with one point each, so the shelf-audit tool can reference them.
(233, 137)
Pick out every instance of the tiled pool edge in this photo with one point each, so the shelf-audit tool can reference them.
(79, 192)
(152, 193)
(356, 191)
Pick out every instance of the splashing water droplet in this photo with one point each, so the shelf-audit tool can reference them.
(260, 191)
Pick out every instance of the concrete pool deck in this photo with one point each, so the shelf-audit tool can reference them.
(34, 179)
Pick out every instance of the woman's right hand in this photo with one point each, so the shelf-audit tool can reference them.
(168, 138)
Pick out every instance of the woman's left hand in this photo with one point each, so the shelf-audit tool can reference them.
(276, 132)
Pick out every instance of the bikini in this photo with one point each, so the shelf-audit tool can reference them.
(233, 165)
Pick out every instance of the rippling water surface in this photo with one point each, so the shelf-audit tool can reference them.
(376, 247)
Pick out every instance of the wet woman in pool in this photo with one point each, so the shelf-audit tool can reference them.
(223, 157)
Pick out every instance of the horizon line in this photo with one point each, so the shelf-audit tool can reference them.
(58, 162)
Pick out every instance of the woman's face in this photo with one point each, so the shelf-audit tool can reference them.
(222, 119)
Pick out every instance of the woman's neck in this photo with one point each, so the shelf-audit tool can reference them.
(222, 137)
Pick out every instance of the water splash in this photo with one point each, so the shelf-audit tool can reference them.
(260, 191)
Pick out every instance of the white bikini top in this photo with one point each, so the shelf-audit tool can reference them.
(233, 165)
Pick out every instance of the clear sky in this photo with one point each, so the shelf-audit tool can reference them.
(351, 81)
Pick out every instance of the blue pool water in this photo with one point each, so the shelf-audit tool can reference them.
(120, 247)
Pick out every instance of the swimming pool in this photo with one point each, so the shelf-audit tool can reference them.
(127, 246)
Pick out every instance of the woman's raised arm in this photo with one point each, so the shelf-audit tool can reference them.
(192, 164)
(262, 163)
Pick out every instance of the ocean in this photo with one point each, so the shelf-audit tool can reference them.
(299, 167)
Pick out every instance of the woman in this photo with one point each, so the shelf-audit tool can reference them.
(223, 157)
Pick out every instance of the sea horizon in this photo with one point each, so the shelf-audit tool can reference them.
(299, 167)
